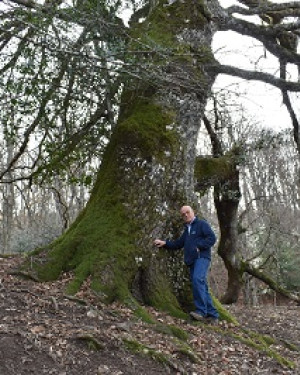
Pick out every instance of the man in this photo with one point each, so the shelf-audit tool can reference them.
(197, 240)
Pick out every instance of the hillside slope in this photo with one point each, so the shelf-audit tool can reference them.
(43, 331)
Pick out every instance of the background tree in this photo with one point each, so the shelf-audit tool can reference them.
(270, 219)
(221, 170)
(246, 168)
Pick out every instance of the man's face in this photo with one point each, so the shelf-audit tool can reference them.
(187, 214)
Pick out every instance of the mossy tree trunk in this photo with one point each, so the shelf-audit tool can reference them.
(147, 171)
(226, 198)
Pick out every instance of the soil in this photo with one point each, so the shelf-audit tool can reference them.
(43, 331)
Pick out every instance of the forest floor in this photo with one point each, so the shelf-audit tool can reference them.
(43, 331)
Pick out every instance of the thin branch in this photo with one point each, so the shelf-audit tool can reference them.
(215, 141)
(27, 3)
(263, 248)
(254, 76)
(294, 119)
(36, 121)
(18, 52)
(62, 203)
(73, 141)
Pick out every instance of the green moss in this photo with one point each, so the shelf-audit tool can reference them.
(178, 332)
(262, 343)
(280, 359)
(260, 339)
(141, 313)
(145, 127)
(136, 347)
(162, 298)
(100, 242)
(166, 21)
(291, 346)
(254, 340)
(268, 340)
(172, 330)
(91, 341)
(214, 169)
(223, 313)
(248, 341)
(187, 351)
(159, 37)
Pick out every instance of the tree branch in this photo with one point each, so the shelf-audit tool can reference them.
(269, 281)
(55, 83)
(215, 141)
(291, 9)
(18, 52)
(266, 35)
(69, 14)
(294, 119)
(254, 76)
(27, 3)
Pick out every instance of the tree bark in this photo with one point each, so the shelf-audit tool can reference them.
(226, 198)
(8, 204)
(222, 172)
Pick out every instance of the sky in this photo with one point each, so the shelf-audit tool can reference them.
(261, 100)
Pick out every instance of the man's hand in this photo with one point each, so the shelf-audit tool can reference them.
(159, 243)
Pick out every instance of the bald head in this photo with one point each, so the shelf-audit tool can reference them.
(187, 213)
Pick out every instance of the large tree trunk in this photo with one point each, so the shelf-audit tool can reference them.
(147, 172)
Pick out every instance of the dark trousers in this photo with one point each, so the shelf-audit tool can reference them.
(202, 298)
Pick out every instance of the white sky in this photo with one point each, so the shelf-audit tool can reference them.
(262, 101)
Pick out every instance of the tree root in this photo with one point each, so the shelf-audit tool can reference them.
(92, 342)
(76, 299)
(25, 275)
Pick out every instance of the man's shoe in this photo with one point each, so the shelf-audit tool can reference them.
(197, 316)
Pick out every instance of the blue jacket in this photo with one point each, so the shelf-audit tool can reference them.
(197, 243)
